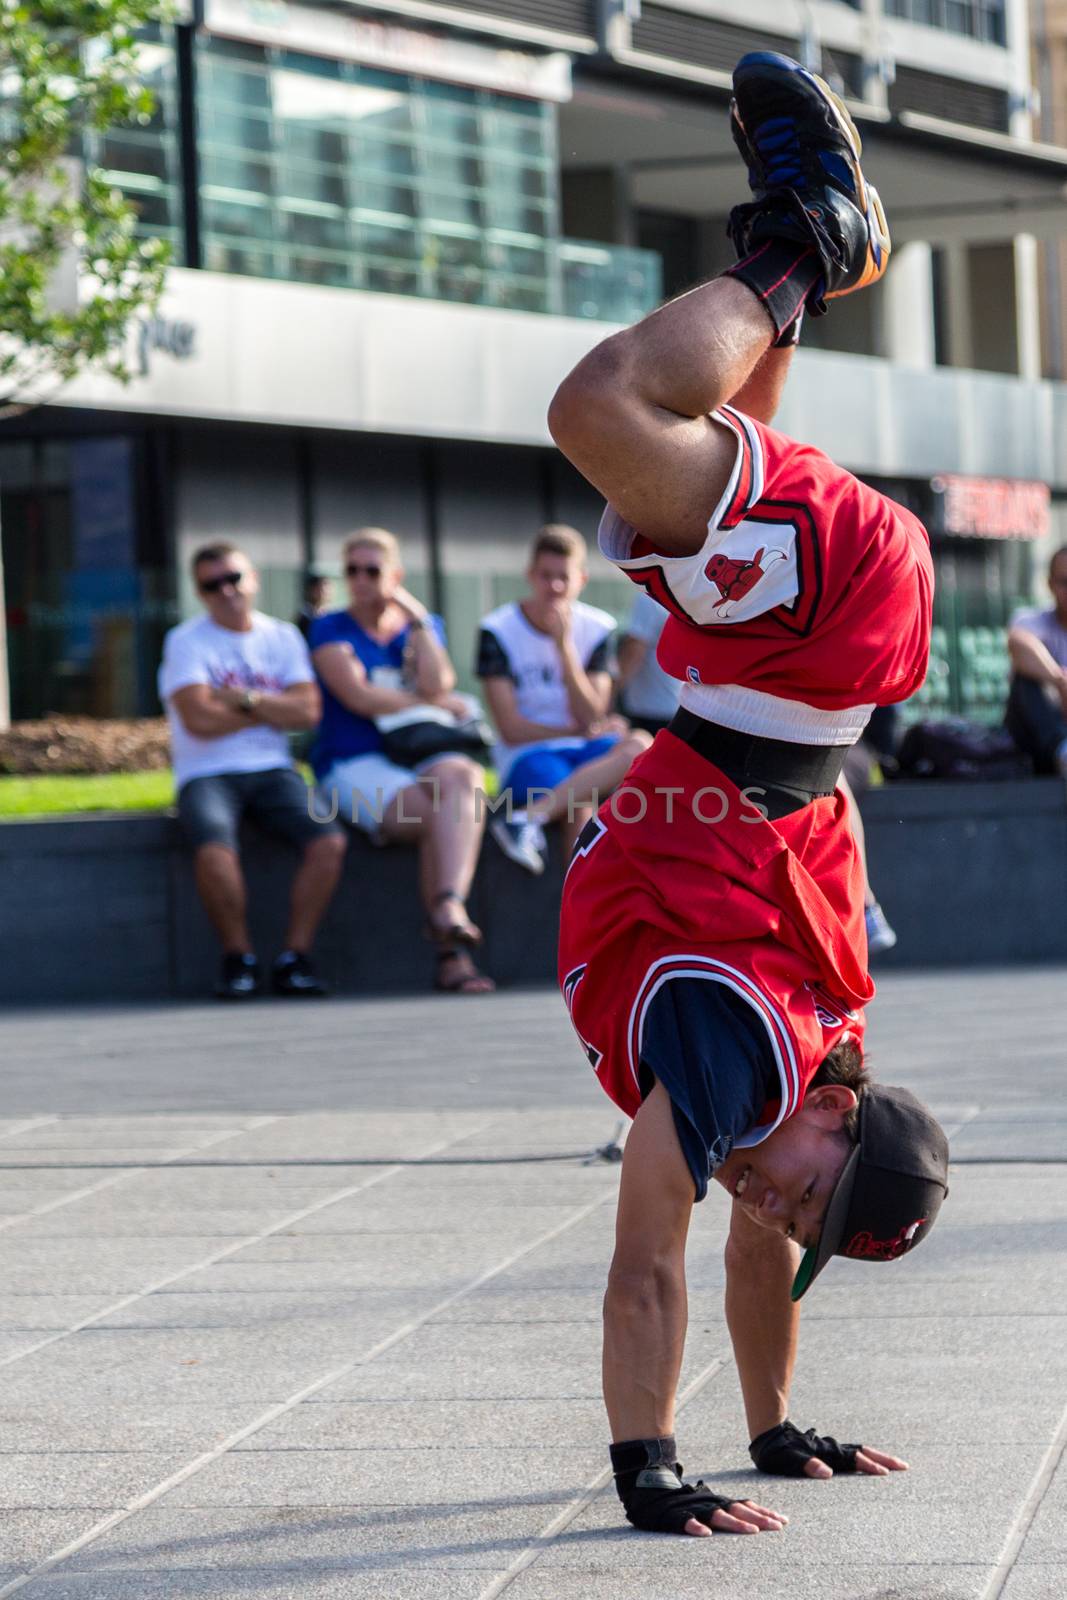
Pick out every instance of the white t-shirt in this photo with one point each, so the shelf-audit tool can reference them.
(509, 646)
(269, 657)
(651, 692)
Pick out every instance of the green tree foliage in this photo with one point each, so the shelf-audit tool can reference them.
(68, 69)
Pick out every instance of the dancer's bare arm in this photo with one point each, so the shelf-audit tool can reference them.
(633, 416)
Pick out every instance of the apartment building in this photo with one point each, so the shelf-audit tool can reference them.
(396, 224)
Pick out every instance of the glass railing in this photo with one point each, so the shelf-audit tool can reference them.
(608, 283)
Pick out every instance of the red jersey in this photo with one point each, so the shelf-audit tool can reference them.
(810, 586)
(774, 911)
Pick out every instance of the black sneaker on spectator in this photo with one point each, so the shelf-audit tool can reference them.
(293, 975)
(521, 840)
(239, 978)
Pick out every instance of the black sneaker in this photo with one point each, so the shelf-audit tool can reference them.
(803, 152)
(293, 975)
(239, 978)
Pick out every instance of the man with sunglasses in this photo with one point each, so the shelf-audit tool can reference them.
(234, 683)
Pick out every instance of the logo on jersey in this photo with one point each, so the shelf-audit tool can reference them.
(735, 578)
(831, 1012)
(570, 989)
(865, 1248)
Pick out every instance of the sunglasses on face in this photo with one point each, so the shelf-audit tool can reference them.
(354, 569)
(214, 585)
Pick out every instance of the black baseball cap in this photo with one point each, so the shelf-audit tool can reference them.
(891, 1188)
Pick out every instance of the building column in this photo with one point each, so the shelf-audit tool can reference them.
(905, 307)
(959, 339)
(1027, 307)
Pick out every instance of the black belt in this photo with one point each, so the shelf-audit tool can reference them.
(790, 775)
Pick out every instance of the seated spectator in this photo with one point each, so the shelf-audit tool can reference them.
(547, 669)
(1036, 715)
(648, 696)
(234, 682)
(386, 653)
(318, 595)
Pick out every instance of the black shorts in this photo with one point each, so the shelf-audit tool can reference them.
(210, 809)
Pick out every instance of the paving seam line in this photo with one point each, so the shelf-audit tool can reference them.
(221, 1255)
(1024, 1519)
(209, 1457)
(564, 1518)
(130, 1172)
(26, 1127)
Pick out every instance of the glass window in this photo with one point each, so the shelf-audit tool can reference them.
(143, 160)
(977, 19)
(383, 194)
(386, 239)
(374, 178)
(323, 184)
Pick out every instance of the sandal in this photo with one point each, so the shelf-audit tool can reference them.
(460, 931)
(465, 979)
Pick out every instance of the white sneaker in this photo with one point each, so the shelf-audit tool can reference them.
(880, 935)
(522, 841)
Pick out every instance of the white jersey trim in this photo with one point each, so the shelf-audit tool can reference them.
(778, 1034)
(769, 716)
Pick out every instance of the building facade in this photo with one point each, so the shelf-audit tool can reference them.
(394, 227)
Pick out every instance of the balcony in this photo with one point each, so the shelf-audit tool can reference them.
(608, 283)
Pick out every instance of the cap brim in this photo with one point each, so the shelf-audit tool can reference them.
(832, 1229)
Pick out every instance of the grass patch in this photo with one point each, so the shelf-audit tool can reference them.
(65, 795)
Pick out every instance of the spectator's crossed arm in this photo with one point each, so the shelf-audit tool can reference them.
(207, 712)
(345, 676)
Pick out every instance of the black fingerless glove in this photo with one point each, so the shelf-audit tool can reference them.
(784, 1451)
(649, 1483)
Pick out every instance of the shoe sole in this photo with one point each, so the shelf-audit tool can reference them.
(878, 241)
(520, 860)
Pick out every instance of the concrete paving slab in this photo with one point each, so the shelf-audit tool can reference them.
(104, 1133)
(309, 1583)
(279, 1315)
(378, 1136)
(121, 1366)
(450, 1362)
(1035, 1583)
(81, 1423)
(391, 1474)
(440, 1424)
(330, 1262)
(381, 1541)
(491, 1303)
(69, 1223)
(46, 1312)
(374, 1214)
(78, 1480)
(27, 1537)
(112, 1266)
(823, 1581)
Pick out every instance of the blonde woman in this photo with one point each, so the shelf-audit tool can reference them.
(384, 653)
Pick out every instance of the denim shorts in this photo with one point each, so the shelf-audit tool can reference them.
(210, 809)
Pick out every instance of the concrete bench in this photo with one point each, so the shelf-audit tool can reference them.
(104, 907)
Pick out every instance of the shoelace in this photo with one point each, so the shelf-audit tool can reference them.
(779, 149)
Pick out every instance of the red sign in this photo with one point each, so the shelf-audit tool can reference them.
(992, 508)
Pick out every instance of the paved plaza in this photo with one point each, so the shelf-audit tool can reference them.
(303, 1303)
